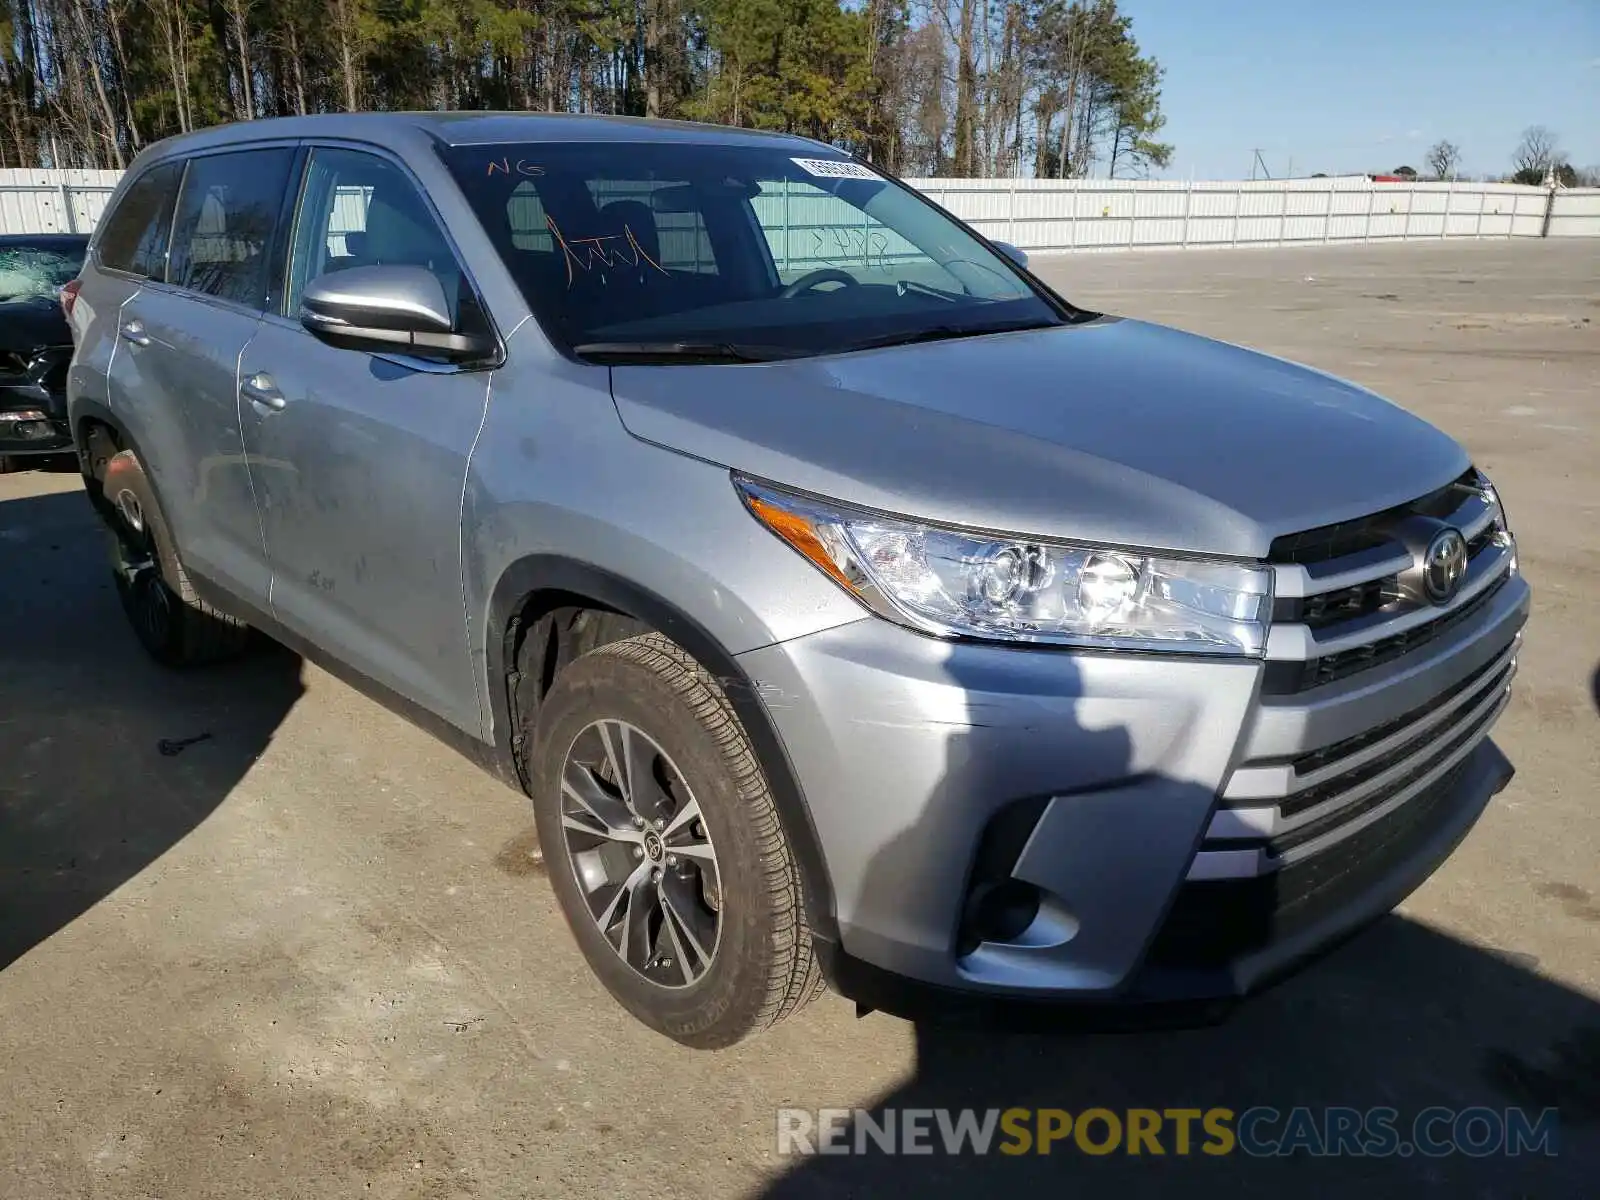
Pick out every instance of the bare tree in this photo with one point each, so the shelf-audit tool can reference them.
(1536, 153)
(1444, 159)
(239, 29)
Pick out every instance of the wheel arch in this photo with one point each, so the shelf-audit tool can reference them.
(88, 420)
(539, 585)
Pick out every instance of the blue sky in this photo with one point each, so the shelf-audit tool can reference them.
(1370, 84)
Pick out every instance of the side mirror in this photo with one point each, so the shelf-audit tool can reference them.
(1019, 257)
(399, 309)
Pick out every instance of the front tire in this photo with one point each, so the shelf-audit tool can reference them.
(664, 846)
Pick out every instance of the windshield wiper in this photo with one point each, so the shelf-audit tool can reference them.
(927, 289)
(939, 333)
(695, 351)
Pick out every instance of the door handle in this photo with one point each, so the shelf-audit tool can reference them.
(261, 391)
(133, 331)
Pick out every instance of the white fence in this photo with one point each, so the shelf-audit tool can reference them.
(53, 201)
(1046, 215)
(1097, 214)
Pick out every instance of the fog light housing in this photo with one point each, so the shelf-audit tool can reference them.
(999, 912)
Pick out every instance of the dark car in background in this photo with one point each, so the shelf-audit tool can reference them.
(35, 343)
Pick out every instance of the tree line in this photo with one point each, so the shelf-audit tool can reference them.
(1537, 158)
(1052, 88)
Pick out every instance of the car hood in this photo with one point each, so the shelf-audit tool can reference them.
(1112, 431)
(30, 322)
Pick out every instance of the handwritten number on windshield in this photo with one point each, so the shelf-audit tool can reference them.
(850, 246)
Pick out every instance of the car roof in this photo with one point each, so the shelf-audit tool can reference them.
(475, 129)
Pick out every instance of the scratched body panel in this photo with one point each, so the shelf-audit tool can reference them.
(358, 480)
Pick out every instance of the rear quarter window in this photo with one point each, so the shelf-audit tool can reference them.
(133, 238)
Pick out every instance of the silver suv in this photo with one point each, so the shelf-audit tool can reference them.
(851, 606)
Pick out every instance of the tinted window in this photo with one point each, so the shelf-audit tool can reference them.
(525, 217)
(359, 210)
(226, 218)
(134, 236)
(662, 243)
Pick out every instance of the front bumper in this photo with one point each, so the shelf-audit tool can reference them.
(33, 405)
(931, 769)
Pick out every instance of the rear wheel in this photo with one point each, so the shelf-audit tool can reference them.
(172, 622)
(664, 846)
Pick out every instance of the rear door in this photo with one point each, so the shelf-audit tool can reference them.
(129, 248)
(175, 377)
(359, 459)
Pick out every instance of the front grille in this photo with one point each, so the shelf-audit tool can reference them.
(1303, 827)
(1213, 922)
(1343, 604)
(1288, 678)
(1348, 595)
(47, 367)
(1345, 538)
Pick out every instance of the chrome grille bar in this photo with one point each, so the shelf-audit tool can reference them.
(1272, 822)
(1299, 643)
(1274, 781)
(1247, 861)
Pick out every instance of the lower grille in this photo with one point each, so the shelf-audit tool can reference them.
(1309, 832)
(1275, 813)
(1316, 760)
(1213, 922)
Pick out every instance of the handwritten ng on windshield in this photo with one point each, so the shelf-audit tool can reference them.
(504, 166)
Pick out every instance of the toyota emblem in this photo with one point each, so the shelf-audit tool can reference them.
(1443, 565)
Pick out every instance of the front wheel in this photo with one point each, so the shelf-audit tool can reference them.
(664, 846)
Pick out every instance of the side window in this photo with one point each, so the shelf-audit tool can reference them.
(226, 218)
(525, 215)
(134, 237)
(359, 210)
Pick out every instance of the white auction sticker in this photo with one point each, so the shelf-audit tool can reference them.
(834, 168)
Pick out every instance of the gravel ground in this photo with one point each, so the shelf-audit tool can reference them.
(312, 956)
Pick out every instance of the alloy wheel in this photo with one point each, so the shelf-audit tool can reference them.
(641, 852)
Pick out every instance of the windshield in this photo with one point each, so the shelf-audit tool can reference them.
(648, 245)
(36, 269)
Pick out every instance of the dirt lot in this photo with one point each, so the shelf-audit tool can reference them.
(311, 956)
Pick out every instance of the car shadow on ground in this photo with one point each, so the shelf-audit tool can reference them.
(98, 777)
(1403, 1016)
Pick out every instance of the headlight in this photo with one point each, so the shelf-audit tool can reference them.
(957, 583)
